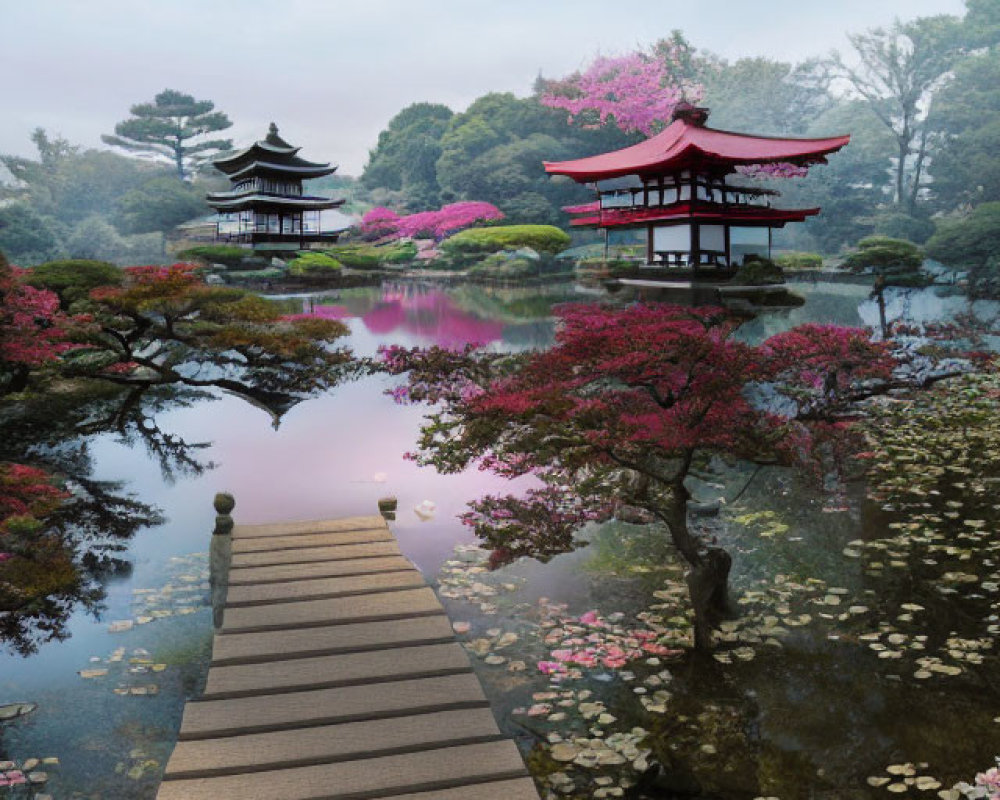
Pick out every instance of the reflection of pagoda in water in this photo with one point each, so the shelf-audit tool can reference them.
(265, 207)
(675, 189)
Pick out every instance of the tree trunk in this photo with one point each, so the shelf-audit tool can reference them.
(708, 576)
(904, 151)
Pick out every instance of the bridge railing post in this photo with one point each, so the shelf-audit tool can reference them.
(220, 553)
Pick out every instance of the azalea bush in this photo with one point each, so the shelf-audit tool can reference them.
(34, 331)
(615, 414)
(381, 222)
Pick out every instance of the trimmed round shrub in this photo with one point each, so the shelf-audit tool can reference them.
(478, 241)
(793, 260)
(73, 279)
(313, 264)
(757, 271)
(356, 256)
(885, 255)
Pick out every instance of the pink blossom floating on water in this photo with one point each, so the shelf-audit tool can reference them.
(597, 644)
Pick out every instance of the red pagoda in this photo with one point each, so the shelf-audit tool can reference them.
(266, 207)
(677, 187)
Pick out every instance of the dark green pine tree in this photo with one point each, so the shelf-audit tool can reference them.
(165, 127)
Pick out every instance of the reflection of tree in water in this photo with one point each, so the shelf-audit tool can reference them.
(86, 537)
(151, 340)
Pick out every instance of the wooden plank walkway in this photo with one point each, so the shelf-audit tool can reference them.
(336, 674)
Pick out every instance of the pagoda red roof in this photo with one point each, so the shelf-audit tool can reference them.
(686, 143)
(752, 215)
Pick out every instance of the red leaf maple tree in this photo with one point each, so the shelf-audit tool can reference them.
(615, 413)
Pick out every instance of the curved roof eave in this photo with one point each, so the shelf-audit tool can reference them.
(682, 145)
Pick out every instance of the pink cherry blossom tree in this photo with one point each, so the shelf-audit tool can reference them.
(637, 91)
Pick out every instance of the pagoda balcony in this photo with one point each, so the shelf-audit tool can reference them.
(252, 237)
(723, 196)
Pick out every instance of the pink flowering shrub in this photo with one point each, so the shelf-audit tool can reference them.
(381, 222)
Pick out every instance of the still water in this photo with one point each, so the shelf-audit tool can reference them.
(813, 717)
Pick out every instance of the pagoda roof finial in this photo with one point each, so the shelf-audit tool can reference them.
(690, 113)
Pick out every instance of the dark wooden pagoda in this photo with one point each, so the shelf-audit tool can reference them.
(677, 188)
(266, 208)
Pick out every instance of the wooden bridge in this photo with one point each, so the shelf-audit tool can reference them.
(336, 674)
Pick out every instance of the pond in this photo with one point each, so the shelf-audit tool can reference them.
(794, 708)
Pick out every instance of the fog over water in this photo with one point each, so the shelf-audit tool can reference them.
(332, 74)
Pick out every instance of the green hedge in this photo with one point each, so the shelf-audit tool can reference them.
(216, 254)
(311, 264)
(367, 256)
(795, 260)
(476, 241)
(73, 279)
(271, 273)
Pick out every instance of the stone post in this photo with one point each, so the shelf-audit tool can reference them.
(224, 503)
(220, 553)
(387, 508)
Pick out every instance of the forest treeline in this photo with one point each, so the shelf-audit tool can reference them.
(928, 89)
(920, 98)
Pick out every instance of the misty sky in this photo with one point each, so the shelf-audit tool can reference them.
(332, 73)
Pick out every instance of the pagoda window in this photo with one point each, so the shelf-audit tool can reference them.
(672, 244)
(669, 195)
(622, 198)
(229, 224)
(685, 193)
(310, 222)
(712, 244)
(745, 241)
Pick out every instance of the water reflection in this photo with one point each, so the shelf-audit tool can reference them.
(774, 722)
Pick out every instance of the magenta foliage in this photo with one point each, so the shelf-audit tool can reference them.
(635, 90)
(33, 330)
(381, 222)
